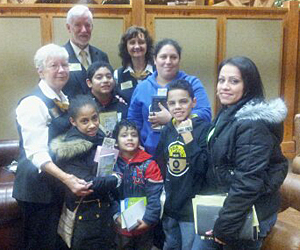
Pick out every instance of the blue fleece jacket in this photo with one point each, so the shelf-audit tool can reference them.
(142, 99)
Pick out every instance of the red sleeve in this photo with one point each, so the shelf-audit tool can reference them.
(153, 172)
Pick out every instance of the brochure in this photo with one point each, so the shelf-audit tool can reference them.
(132, 209)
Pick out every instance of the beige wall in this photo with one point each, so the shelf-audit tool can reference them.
(261, 41)
(197, 37)
(20, 38)
(17, 48)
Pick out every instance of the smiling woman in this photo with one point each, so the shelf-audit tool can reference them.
(167, 55)
(230, 88)
(135, 50)
(40, 117)
(245, 154)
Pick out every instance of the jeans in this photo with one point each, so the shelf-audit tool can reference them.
(265, 227)
(179, 234)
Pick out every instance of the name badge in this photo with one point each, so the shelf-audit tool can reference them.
(126, 85)
(74, 66)
(162, 92)
(119, 115)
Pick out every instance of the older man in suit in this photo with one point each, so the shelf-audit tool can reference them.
(81, 54)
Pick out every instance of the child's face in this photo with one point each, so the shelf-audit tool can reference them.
(87, 120)
(102, 82)
(128, 140)
(180, 104)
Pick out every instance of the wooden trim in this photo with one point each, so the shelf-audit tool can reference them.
(221, 54)
(138, 12)
(289, 148)
(289, 66)
(150, 24)
(46, 28)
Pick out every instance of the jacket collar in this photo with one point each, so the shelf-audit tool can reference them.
(139, 157)
(74, 143)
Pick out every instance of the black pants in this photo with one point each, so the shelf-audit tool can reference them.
(40, 223)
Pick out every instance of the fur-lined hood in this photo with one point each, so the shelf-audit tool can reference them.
(66, 150)
(274, 111)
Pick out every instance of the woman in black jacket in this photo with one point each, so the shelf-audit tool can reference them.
(246, 159)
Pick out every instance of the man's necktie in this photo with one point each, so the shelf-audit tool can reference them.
(84, 60)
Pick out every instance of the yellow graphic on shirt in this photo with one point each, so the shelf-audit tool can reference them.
(177, 165)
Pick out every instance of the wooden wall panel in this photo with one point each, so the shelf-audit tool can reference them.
(17, 72)
(198, 39)
(261, 41)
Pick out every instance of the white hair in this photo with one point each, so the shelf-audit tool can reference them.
(78, 10)
(49, 51)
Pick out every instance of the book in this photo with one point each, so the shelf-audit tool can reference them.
(108, 121)
(132, 209)
(105, 165)
(158, 99)
(106, 158)
(206, 211)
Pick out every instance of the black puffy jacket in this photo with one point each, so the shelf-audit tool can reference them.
(246, 162)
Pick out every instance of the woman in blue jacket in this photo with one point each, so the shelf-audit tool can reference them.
(167, 55)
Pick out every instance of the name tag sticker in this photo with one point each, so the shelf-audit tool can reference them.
(162, 92)
(74, 66)
(126, 85)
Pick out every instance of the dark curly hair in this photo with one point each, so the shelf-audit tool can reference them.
(124, 123)
(133, 32)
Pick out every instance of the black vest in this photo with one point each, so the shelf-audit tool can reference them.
(29, 184)
(124, 77)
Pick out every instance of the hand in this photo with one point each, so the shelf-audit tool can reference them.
(121, 99)
(159, 118)
(185, 123)
(219, 241)
(210, 233)
(142, 225)
(119, 221)
(78, 186)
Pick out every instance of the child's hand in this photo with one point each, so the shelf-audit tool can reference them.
(118, 221)
(159, 118)
(210, 233)
(142, 225)
(185, 123)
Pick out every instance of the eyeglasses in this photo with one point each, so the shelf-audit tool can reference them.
(56, 67)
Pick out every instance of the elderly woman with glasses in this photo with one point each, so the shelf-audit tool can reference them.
(41, 116)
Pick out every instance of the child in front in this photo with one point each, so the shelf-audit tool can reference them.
(141, 177)
(75, 153)
(181, 155)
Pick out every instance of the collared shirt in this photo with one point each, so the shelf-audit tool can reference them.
(77, 50)
(33, 117)
(148, 68)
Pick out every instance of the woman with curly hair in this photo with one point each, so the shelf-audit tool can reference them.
(135, 50)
